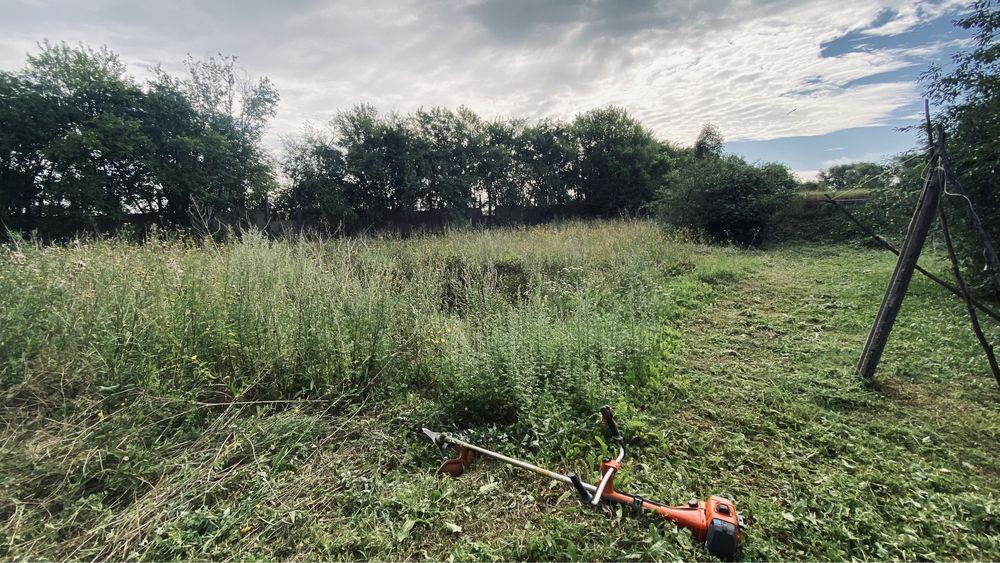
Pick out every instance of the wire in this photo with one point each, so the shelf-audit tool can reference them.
(963, 196)
(972, 210)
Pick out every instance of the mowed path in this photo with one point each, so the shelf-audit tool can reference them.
(824, 467)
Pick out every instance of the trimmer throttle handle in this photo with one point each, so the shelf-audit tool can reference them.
(609, 419)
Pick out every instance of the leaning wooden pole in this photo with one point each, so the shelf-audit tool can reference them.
(983, 343)
(916, 234)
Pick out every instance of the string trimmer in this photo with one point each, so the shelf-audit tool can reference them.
(713, 521)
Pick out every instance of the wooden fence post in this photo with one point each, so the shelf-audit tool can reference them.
(916, 234)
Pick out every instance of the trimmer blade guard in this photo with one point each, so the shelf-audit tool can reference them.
(455, 466)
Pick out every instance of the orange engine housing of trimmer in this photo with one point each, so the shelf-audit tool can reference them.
(714, 521)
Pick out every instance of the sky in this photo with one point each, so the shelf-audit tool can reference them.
(808, 83)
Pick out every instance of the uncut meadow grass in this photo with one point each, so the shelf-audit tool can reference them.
(495, 321)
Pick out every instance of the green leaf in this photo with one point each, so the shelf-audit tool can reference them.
(403, 532)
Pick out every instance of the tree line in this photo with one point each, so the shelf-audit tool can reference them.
(368, 164)
(81, 139)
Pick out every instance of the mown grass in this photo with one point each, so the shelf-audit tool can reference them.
(263, 400)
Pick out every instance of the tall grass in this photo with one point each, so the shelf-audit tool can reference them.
(489, 323)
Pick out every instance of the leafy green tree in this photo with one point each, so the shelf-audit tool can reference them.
(868, 175)
(620, 165)
(382, 167)
(709, 142)
(223, 96)
(501, 173)
(969, 95)
(234, 112)
(27, 121)
(177, 151)
(451, 151)
(80, 139)
(549, 156)
(315, 169)
(73, 141)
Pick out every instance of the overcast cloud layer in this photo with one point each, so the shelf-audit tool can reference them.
(756, 68)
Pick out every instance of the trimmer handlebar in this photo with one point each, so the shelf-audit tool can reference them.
(609, 419)
(612, 467)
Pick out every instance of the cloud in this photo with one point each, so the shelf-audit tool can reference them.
(753, 67)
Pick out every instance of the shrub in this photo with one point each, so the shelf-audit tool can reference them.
(725, 197)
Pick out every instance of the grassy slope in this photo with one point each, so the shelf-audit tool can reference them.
(730, 370)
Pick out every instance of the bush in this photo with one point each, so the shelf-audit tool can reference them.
(725, 197)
